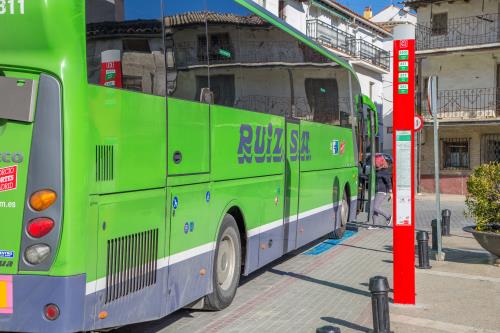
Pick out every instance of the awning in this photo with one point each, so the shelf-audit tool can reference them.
(331, 10)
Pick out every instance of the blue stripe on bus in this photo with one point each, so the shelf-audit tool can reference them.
(328, 244)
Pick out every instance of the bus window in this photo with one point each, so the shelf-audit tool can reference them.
(323, 98)
(186, 52)
(247, 60)
(125, 45)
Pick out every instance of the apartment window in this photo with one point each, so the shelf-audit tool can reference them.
(439, 24)
(323, 98)
(490, 148)
(219, 49)
(455, 153)
(222, 86)
(136, 45)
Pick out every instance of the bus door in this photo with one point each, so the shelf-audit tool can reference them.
(291, 188)
(367, 130)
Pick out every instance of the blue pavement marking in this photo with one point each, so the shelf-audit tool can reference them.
(328, 244)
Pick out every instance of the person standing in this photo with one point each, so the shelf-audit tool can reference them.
(383, 189)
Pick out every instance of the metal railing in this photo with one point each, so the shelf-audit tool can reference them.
(467, 104)
(192, 54)
(370, 53)
(490, 148)
(332, 37)
(459, 32)
(329, 35)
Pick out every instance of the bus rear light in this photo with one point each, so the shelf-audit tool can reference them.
(37, 253)
(40, 227)
(42, 200)
(51, 312)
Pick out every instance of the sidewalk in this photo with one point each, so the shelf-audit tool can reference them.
(303, 292)
(461, 294)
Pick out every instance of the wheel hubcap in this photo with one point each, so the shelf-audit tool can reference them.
(344, 211)
(226, 261)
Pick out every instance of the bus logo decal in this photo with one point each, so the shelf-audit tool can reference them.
(8, 178)
(7, 157)
(305, 152)
(7, 254)
(263, 144)
(335, 147)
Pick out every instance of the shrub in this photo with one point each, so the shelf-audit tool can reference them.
(483, 199)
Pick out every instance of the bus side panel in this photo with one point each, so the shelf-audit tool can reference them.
(131, 244)
(261, 204)
(193, 228)
(128, 140)
(325, 147)
(327, 164)
(246, 144)
(320, 193)
(291, 192)
(188, 137)
(196, 213)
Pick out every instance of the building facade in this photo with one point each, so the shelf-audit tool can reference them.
(346, 34)
(459, 42)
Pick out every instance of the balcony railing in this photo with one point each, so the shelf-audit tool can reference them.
(466, 104)
(329, 35)
(194, 54)
(332, 37)
(459, 32)
(370, 53)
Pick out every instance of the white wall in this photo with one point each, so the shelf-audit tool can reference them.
(463, 71)
(270, 5)
(394, 14)
(458, 9)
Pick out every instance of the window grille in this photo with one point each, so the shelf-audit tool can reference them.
(455, 154)
(490, 148)
(439, 24)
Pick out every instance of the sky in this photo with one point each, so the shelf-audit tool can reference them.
(140, 10)
(359, 5)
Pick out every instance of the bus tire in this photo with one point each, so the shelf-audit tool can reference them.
(227, 266)
(344, 218)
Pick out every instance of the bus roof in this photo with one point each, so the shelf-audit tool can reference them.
(273, 19)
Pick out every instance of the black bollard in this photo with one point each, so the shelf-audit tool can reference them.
(445, 221)
(434, 235)
(423, 250)
(328, 329)
(379, 287)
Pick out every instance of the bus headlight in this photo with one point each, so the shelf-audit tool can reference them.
(37, 253)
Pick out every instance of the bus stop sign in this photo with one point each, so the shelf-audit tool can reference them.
(404, 153)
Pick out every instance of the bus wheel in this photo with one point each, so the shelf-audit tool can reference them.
(344, 218)
(227, 266)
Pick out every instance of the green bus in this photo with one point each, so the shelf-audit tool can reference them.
(152, 151)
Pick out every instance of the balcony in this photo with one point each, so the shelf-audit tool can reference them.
(459, 32)
(334, 38)
(370, 53)
(329, 36)
(466, 104)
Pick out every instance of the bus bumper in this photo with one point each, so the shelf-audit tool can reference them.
(25, 297)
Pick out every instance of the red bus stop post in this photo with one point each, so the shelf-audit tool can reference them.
(403, 149)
